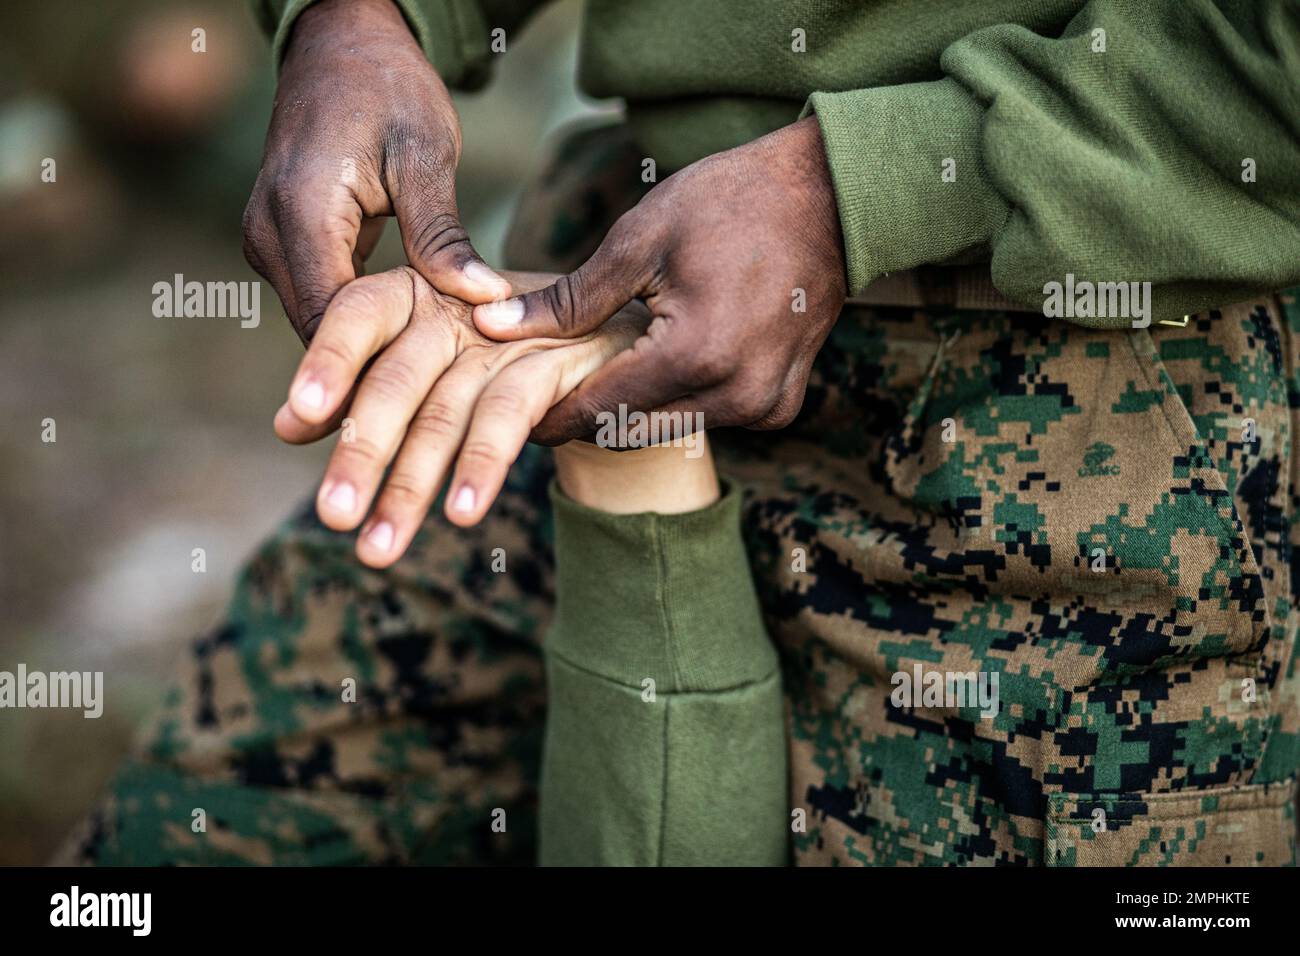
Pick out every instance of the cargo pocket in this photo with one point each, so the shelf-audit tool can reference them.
(1231, 826)
(1241, 588)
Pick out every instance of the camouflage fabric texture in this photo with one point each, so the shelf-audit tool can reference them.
(1096, 532)
(1103, 519)
(444, 728)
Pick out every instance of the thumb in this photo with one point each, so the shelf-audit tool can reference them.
(573, 304)
(436, 243)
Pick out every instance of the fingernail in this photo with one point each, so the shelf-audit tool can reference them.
(312, 394)
(342, 497)
(464, 501)
(381, 536)
(505, 314)
(480, 274)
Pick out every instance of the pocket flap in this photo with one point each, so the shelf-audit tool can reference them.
(1231, 826)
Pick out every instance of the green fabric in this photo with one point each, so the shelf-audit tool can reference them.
(453, 33)
(1122, 165)
(886, 152)
(665, 736)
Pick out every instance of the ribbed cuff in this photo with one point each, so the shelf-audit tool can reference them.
(887, 147)
(452, 34)
(666, 597)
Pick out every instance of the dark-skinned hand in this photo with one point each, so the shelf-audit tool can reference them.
(362, 128)
(723, 253)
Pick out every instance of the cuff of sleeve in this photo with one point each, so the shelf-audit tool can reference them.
(452, 34)
(901, 203)
(665, 597)
(280, 16)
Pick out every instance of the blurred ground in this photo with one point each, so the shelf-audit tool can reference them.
(162, 425)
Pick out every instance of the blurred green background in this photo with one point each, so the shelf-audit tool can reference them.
(164, 439)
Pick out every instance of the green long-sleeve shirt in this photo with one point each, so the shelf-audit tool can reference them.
(665, 733)
(1115, 140)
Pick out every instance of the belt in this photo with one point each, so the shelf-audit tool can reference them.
(953, 287)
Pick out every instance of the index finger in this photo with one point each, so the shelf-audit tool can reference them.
(365, 316)
(511, 406)
(318, 223)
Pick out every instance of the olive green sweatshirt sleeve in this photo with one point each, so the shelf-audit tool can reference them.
(665, 731)
(456, 35)
(1154, 141)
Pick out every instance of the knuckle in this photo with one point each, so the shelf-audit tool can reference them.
(392, 379)
(440, 153)
(331, 352)
(753, 405)
(623, 237)
(281, 198)
(560, 299)
(549, 435)
(402, 492)
(360, 453)
(413, 150)
(313, 301)
(477, 454)
(786, 400)
(250, 223)
(256, 234)
(506, 400)
(575, 417)
(253, 254)
(358, 300)
(438, 233)
(780, 415)
(435, 420)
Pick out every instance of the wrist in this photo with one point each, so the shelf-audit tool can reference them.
(816, 185)
(664, 479)
(328, 23)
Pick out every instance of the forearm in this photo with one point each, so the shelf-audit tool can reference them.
(665, 733)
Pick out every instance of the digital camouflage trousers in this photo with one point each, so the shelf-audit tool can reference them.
(1104, 520)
